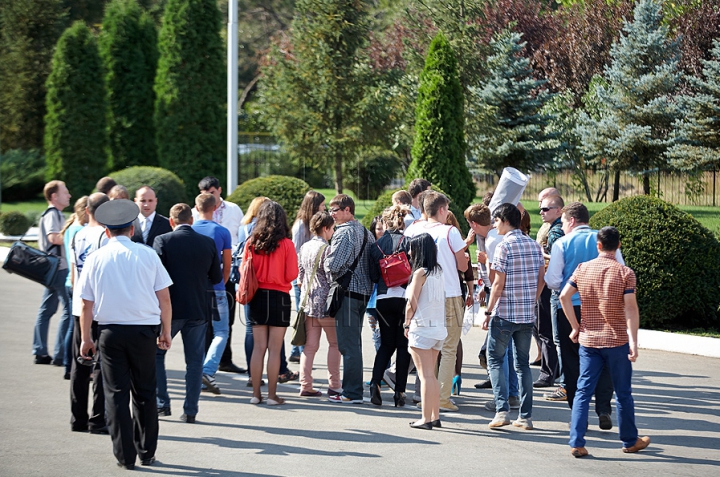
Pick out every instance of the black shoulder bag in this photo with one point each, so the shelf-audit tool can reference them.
(31, 263)
(339, 287)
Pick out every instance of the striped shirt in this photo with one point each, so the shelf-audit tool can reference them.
(519, 257)
(603, 284)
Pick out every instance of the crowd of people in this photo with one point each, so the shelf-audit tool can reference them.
(569, 289)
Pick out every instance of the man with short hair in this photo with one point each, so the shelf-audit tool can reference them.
(607, 337)
(119, 192)
(191, 260)
(519, 278)
(124, 287)
(415, 188)
(577, 246)
(105, 184)
(50, 240)
(152, 224)
(350, 244)
(543, 230)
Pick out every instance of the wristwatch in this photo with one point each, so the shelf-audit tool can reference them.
(488, 313)
(406, 327)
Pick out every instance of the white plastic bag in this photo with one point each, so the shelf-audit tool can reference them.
(469, 317)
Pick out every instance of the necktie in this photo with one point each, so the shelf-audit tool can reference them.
(145, 229)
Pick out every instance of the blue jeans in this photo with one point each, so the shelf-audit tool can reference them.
(592, 362)
(554, 303)
(249, 345)
(296, 350)
(349, 323)
(509, 371)
(49, 305)
(193, 335)
(220, 329)
(500, 334)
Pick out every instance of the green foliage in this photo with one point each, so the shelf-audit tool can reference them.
(511, 129)
(372, 173)
(633, 130)
(22, 174)
(128, 47)
(14, 223)
(190, 89)
(29, 30)
(286, 191)
(439, 148)
(75, 127)
(169, 188)
(675, 258)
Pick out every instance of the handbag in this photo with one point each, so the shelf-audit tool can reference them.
(248, 285)
(299, 336)
(395, 268)
(340, 286)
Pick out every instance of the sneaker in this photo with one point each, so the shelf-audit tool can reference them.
(389, 378)
(344, 400)
(524, 423)
(605, 422)
(639, 445)
(542, 384)
(210, 386)
(558, 395)
(484, 385)
(514, 402)
(450, 407)
(334, 392)
(500, 420)
(490, 406)
(43, 359)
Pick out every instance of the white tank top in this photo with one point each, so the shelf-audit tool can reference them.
(429, 318)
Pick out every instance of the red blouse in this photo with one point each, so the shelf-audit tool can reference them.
(277, 270)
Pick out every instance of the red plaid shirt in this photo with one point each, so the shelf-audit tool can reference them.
(602, 284)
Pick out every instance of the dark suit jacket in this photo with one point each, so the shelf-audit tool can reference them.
(160, 225)
(192, 261)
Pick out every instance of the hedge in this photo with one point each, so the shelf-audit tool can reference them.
(169, 189)
(14, 223)
(286, 191)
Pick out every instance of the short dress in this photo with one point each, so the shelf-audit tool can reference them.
(427, 326)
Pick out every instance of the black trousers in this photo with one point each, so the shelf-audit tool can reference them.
(80, 386)
(391, 316)
(569, 352)
(543, 333)
(227, 354)
(128, 366)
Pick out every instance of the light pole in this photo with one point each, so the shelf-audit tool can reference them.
(232, 97)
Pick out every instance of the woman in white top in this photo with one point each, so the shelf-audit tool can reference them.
(425, 324)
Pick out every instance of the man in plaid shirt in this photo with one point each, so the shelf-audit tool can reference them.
(519, 279)
(607, 337)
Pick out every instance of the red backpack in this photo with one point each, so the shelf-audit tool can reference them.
(395, 268)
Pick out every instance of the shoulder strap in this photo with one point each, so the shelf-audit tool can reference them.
(40, 227)
(354, 264)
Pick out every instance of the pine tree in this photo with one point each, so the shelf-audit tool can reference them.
(190, 105)
(30, 29)
(128, 48)
(698, 134)
(633, 132)
(509, 126)
(75, 127)
(439, 148)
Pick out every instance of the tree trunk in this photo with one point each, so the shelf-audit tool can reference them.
(646, 184)
(616, 187)
(338, 174)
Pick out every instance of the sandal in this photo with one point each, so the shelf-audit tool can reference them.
(256, 400)
(289, 376)
(275, 402)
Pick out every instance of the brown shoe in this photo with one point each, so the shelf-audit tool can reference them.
(579, 452)
(640, 444)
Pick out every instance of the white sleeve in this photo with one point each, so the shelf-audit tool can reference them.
(619, 257)
(554, 274)
(455, 240)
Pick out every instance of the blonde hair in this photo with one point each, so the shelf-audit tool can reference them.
(253, 209)
(394, 217)
(79, 214)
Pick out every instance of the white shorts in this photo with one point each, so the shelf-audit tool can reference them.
(420, 342)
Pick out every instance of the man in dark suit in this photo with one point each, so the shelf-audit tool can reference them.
(151, 223)
(192, 261)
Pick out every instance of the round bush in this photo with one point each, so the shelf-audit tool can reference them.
(14, 223)
(676, 261)
(169, 188)
(286, 191)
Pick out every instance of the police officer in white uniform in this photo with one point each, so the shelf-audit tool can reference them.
(124, 287)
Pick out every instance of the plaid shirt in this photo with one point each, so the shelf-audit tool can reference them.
(603, 284)
(345, 245)
(519, 257)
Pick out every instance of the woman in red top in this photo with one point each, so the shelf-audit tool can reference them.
(275, 265)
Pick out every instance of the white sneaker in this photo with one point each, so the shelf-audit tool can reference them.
(344, 400)
(524, 423)
(500, 420)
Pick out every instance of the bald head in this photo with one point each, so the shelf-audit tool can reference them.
(550, 191)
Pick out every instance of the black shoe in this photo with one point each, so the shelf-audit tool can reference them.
(375, 396)
(484, 385)
(57, 362)
(425, 425)
(188, 419)
(44, 359)
(605, 422)
(100, 430)
(79, 429)
(164, 411)
(294, 359)
(542, 384)
(126, 466)
(436, 423)
(148, 461)
(231, 368)
(399, 399)
(66, 376)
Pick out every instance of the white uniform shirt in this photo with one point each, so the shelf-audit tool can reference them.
(448, 241)
(121, 279)
(229, 215)
(86, 241)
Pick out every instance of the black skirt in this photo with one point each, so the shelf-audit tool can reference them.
(270, 307)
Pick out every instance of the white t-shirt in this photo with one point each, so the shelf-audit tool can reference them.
(448, 241)
(491, 242)
(86, 241)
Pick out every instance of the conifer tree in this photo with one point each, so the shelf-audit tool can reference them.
(438, 151)
(638, 108)
(190, 105)
(509, 125)
(128, 48)
(75, 127)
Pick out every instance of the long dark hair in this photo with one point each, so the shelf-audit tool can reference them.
(309, 207)
(423, 253)
(271, 227)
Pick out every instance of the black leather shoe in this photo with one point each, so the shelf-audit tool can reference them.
(43, 359)
(231, 368)
(436, 423)
(375, 397)
(100, 430)
(164, 411)
(126, 466)
(484, 385)
(188, 419)
(605, 422)
(148, 461)
(425, 425)
(57, 362)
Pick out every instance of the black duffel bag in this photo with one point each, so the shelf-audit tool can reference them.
(31, 263)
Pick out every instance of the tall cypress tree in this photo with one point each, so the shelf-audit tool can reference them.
(128, 48)
(30, 29)
(439, 148)
(190, 89)
(75, 127)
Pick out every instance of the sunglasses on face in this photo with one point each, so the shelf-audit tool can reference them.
(545, 209)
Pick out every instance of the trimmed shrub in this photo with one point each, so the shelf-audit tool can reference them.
(23, 174)
(676, 261)
(169, 188)
(14, 223)
(286, 191)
